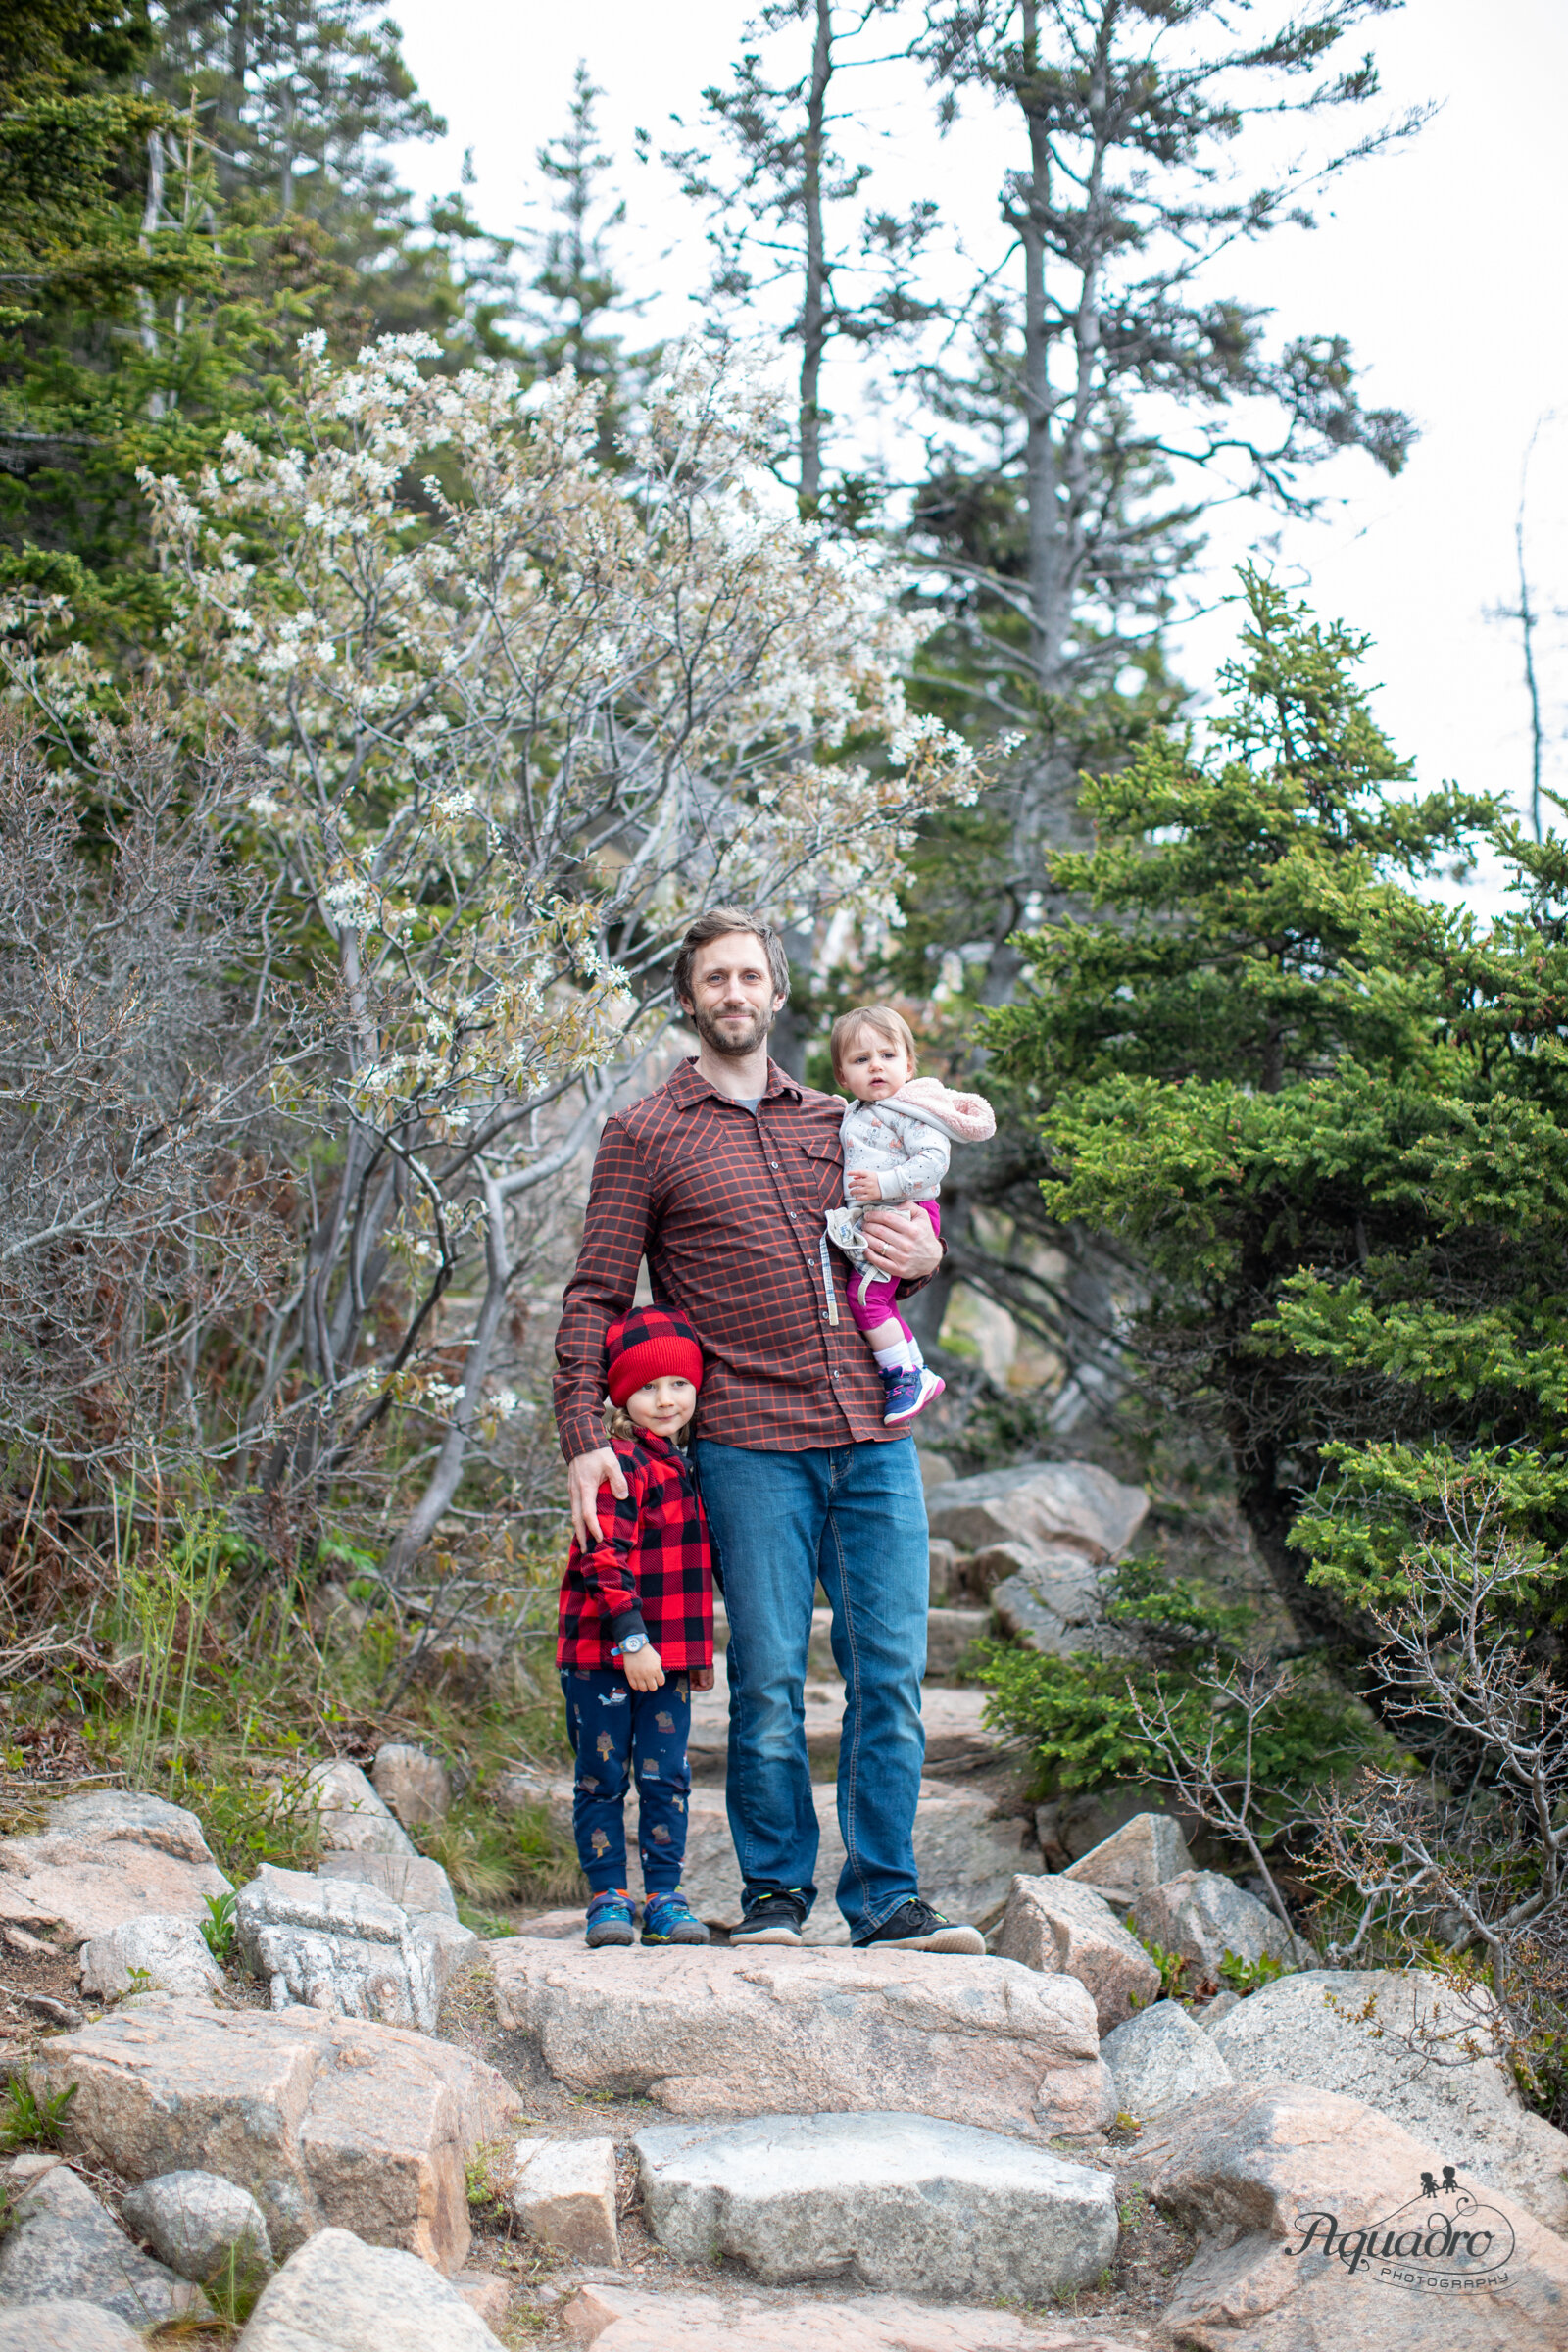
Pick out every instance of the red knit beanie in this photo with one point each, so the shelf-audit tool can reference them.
(647, 1343)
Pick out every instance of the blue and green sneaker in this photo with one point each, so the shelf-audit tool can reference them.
(670, 1919)
(612, 1918)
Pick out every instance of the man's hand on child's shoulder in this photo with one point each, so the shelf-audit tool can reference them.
(586, 1473)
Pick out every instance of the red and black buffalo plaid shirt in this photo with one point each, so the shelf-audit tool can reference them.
(653, 1571)
(728, 1207)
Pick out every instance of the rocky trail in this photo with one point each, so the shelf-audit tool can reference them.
(369, 2130)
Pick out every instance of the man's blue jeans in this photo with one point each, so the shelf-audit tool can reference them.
(854, 1517)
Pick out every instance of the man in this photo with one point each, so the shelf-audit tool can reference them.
(722, 1177)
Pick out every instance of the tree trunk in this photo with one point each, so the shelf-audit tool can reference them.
(1269, 1509)
(151, 216)
(814, 308)
(444, 1479)
(1039, 464)
(229, 175)
(285, 191)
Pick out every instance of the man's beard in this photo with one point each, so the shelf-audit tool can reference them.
(729, 1041)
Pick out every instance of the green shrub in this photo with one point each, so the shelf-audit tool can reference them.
(1249, 1975)
(29, 2121)
(248, 1823)
(1075, 1716)
(220, 1926)
(1173, 1965)
(1079, 1716)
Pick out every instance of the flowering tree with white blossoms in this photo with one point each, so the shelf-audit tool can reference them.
(523, 716)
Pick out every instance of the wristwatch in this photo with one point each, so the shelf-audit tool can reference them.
(632, 1643)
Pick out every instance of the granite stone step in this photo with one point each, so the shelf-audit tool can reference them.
(764, 2030)
(891, 2201)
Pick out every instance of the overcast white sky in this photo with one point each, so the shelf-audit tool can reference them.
(1444, 264)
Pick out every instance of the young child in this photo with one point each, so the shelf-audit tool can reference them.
(895, 1135)
(635, 1636)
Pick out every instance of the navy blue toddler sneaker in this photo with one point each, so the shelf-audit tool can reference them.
(612, 1918)
(670, 1919)
(907, 1393)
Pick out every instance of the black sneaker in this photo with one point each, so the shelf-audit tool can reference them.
(916, 1927)
(776, 1917)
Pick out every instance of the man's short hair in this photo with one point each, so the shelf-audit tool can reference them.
(714, 925)
(883, 1023)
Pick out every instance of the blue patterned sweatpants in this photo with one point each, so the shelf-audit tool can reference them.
(618, 1733)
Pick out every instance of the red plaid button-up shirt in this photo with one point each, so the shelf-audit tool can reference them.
(728, 1207)
(652, 1572)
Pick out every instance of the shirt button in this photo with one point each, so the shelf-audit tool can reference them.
(772, 1164)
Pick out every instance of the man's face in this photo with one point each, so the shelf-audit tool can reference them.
(732, 999)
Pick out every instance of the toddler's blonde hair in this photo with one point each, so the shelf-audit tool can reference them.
(883, 1021)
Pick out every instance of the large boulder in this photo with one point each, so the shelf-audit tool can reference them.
(340, 1945)
(563, 2193)
(1413, 2049)
(984, 1571)
(1070, 1826)
(353, 1818)
(1052, 1602)
(1056, 1926)
(1030, 1621)
(65, 2325)
(1144, 1851)
(338, 2295)
(414, 1883)
(934, 1469)
(153, 1955)
(101, 1860)
(629, 2319)
(63, 2246)
(200, 2225)
(410, 1780)
(942, 1575)
(755, 2030)
(891, 2200)
(1043, 1504)
(1202, 1915)
(1324, 2224)
(1160, 2060)
(323, 2120)
(950, 1636)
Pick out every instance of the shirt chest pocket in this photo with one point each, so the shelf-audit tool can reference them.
(820, 1160)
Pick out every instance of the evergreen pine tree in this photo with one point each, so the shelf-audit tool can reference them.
(1323, 1113)
(578, 288)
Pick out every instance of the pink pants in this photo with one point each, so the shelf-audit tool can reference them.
(873, 1296)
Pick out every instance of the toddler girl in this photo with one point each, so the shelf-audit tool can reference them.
(895, 1136)
(636, 1635)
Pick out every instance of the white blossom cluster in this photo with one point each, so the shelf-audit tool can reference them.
(513, 704)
